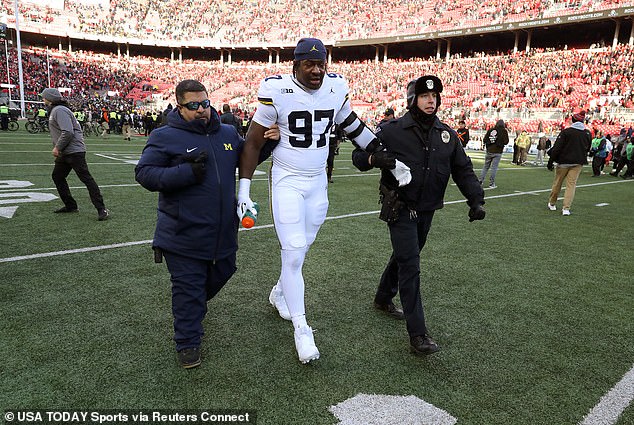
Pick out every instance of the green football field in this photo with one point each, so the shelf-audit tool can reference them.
(534, 311)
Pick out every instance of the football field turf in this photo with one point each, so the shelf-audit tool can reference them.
(533, 311)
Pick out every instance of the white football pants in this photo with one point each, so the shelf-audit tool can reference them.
(300, 205)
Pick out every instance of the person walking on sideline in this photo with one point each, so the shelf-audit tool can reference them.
(570, 153)
(433, 152)
(494, 140)
(305, 104)
(191, 161)
(69, 151)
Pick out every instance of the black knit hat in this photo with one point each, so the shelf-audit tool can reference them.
(51, 94)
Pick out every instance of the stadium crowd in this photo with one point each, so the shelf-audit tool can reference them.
(239, 22)
(596, 79)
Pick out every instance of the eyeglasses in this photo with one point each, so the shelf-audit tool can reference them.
(193, 106)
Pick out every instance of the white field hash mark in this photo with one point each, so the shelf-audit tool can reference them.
(363, 409)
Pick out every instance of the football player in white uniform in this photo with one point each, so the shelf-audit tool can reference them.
(305, 105)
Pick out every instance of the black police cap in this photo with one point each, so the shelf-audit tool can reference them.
(424, 84)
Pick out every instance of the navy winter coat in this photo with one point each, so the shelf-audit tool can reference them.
(196, 220)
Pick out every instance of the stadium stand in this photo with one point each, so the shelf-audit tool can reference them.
(479, 87)
(239, 22)
(597, 79)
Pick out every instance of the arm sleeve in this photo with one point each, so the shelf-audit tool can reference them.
(503, 138)
(554, 152)
(356, 129)
(265, 115)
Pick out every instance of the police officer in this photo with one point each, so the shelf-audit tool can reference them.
(431, 152)
(81, 118)
(387, 116)
(112, 121)
(42, 116)
(4, 117)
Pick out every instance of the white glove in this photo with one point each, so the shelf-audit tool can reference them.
(401, 173)
(244, 199)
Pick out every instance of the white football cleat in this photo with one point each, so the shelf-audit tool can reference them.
(552, 207)
(277, 300)
(305, 344)
(565, 212)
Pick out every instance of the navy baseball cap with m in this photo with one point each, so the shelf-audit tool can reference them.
(310, 49)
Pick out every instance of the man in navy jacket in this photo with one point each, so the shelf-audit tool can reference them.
(191, 162)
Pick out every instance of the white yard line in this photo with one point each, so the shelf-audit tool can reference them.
(72, 251)
(612, 404)
(50, 164)
(338, 217)
(37, 189)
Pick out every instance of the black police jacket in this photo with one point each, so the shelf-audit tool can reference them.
(431, 161)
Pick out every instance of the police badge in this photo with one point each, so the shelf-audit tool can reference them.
(445, 136)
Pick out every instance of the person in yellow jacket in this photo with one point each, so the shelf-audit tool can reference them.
(4, 117)
(523, 144)
(112, 122)
(42, 116)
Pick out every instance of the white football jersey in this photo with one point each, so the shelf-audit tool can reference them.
(305, 119)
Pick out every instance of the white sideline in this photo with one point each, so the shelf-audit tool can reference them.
(37, 189)
(612, 404)
(72, 251)
(266, 226)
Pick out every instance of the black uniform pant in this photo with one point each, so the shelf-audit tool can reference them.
(619, 164)
(194, 282)
(597, 165)
(402, 273)
(630, 168)
(77, 162)
(4, 121)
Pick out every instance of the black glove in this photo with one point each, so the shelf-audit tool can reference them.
(476, 213)
(198, 165)
(550, 166)
(384, 159)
